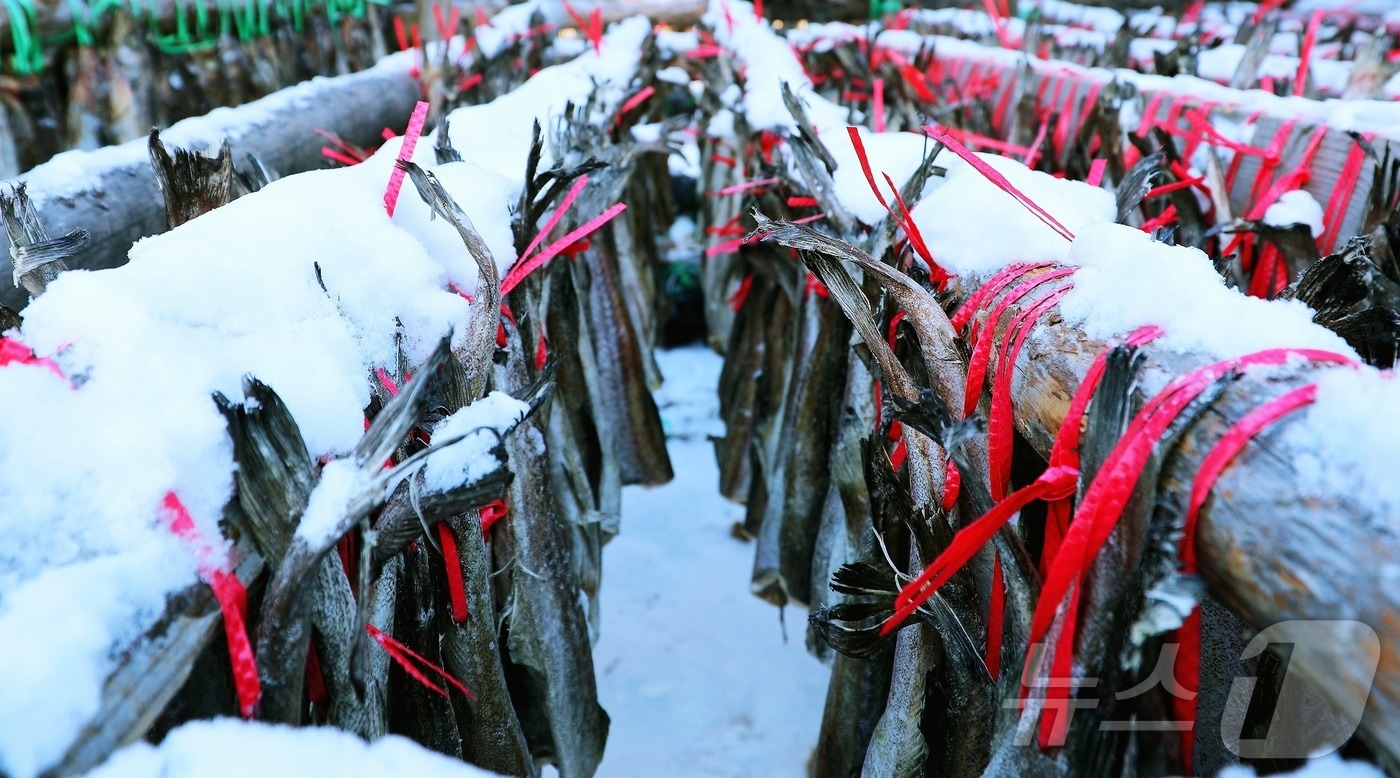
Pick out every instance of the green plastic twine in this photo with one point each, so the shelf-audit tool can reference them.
(28, 58)
(80, 25)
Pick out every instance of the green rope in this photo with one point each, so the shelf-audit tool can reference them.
(248, 19)
(28, 58)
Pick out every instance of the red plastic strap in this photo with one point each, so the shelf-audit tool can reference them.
(315, 679)
(634, 101)
(409, 660)
(490, 514)
(741, 295)
(554, 218)
(952, 485)
(1341, 195)
(1054, 482)
(1162, 219)
(994, 286)
(456, 589)
(1300, 81)
(1158, 191)
(14, 352)
(521, 270)
(1065, 451)
(1096, 171)
(878, 107)
(982, 347)
(743, 186)
(996, 614)
(231, 596)
(1000, 425)
(1032, 155)
(410, 141)
(904, 217)
(999, 180)
(1212, 466)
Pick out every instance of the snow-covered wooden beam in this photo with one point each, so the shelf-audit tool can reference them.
(112, 192)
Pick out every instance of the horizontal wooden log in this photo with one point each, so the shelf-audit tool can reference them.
(1268, 549)
(112, 192)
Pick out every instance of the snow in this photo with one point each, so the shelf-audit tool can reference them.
(497, 135)
(1329, 766)
(341, 481)
(972, 227)
(897, 154)
(692, 668)
(1295, 207)
(468, 460)
(323, 288)
(1347, 447)
(1126, 280)
(768, 62)
(229, 748)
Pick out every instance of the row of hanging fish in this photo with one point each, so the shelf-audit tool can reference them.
(462, 617)
(843, 395)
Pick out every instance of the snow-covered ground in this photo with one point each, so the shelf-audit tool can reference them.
(692, 668)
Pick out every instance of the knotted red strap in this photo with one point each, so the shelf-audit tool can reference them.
(231, 596)
(1188, 657)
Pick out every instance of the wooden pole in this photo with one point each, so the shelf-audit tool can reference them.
(119, 202)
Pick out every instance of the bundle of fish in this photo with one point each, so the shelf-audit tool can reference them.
(1316, 51)
(867, 287)
(381, 450)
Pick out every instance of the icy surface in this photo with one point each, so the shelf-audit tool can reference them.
(228, 748)
(692, 668)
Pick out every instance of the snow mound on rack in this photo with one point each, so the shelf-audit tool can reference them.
(1127, 280)
(898, 154)
(973, 227)
(234, 749)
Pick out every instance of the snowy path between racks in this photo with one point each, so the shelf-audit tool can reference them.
(691, 667)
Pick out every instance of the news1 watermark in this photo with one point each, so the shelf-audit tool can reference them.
(1305, 721)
